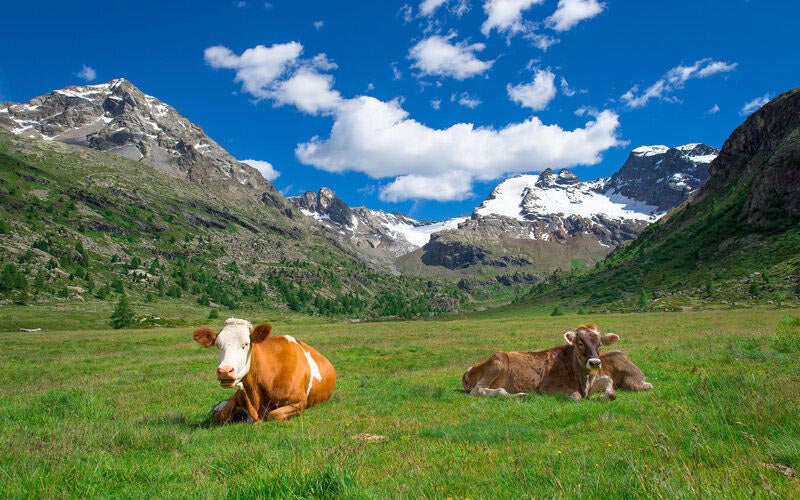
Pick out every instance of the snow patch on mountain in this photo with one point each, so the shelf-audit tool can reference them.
(420, 235)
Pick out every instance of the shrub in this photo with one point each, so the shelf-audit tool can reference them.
(557, 311)
(213, 314)
(787, 335)
(710, 288)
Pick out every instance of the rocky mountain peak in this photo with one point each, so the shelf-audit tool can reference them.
(566, 177)
(663, 176)
(325, 199)
(117, 117)
(324, 204)
(546, 179)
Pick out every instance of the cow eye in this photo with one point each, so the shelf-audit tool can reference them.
(580, 344)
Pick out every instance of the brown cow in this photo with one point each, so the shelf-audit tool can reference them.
(575, 370)
(278, 377)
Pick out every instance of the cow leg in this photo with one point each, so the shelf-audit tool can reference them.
(550, 387)
(286, 412)
(491, 371)
(485, 391)
(224, 412)
(604, 384)
(636, 385)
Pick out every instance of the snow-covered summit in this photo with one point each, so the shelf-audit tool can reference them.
(650, 150)
(524, 197)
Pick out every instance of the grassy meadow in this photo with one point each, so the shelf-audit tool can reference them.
(110, 413)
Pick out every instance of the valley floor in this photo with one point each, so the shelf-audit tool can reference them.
(123, 413)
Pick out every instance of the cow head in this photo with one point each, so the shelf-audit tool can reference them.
(234, 344)
(586, 340)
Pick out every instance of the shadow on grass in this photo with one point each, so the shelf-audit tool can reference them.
(206, 422)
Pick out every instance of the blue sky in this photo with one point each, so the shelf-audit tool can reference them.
(421, 107)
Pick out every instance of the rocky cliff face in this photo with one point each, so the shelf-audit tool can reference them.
(663, 176)
(118, 118)
(765, 152)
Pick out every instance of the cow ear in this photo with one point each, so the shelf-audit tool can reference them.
(569, 337)
(260, 332)
(609, 338)
(204, 336)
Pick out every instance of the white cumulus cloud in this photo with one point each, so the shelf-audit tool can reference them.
(465, 100)
(714, 109)
(751, 106)
(256, 68)
(278, 73)
(380, 139)
(87, 73)
(428, 7)
(435, 55)
(265, 167)
(505, 16)
(673, 80)
(571, 12)
(308, 91)
(536, 94)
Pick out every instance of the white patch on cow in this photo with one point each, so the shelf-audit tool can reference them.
(312, 365)
(233, 347)
(315, 374)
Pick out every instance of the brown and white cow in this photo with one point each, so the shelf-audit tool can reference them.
(575, 370)
(277, 377)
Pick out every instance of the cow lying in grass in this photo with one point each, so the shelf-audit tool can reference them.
(575, 370)
(277, 377)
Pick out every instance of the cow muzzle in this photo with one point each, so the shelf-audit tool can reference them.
(594, 363)
(225, 375)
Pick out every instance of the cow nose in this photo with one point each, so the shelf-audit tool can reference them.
(595, 363)
(225, 372)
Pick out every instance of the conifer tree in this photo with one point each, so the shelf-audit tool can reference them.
(123, 313)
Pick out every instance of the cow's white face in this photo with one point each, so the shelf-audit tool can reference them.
(233, 346)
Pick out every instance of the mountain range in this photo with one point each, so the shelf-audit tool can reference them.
(315, 253)
(536, 221)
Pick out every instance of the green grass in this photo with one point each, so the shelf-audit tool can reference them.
(123, 413)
